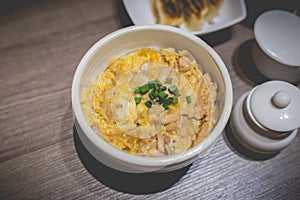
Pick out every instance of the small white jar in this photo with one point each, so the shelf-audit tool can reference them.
(266, 119)
(276, 53)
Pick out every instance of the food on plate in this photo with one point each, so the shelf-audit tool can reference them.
(213, 9)
(193, 14)
(168, 12)
(151, 102)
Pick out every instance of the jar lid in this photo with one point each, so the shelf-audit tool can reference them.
(276, 29)
(276, 105)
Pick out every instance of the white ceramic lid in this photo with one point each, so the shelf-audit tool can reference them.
(276, 106)
(278, 34)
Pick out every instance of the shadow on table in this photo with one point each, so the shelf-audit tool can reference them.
(123, 15)
(213, 39)
(240, 150)
(139, 183)
(217, 37)
(257, 7)
(245, 66)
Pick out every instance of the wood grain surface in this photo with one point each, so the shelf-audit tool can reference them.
(41, 44)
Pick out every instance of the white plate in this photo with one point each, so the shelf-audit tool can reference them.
(231, 12)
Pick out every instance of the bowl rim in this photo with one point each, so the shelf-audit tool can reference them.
(107, 148)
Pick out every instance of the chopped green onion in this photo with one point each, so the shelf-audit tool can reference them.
(152, 84)
(169, 80)
(188, 99)
(163, 95)
(148, 104)
(155, 90)
(153, 94)
(168, 100)
(174, 100)
(166, 106)
(138, 100)
(144, 89)
(137, 90)
(174, 90)
(158, 83)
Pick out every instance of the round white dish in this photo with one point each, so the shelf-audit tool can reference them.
(156, 36)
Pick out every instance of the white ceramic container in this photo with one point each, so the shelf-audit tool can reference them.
(266, 119)
(276, 52)
(131, 38)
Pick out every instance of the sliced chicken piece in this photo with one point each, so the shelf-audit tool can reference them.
(173, 118)
(148, 145)
(108, 110)
(206, 128)
(188, 108)
(158, 116)
(195, 113)
(108, 94)
(181, 144)
(145, 131)
(160, 141)
(167, 141)
(187, 55)
(184, 127)
(145, 67)
(168, 150)
(124, 113)
(184, 64)
(164, 73)
(139, 79)
(171, 57)
(172, 127)
(187, 127)
(173, 115)
(204, 100)
(211, 85)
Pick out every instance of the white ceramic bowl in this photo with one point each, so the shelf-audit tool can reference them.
(277, 51)
(136, 37)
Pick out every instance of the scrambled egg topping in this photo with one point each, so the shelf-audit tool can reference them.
(110, 107)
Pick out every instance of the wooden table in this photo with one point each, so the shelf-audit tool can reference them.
(41, 43)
